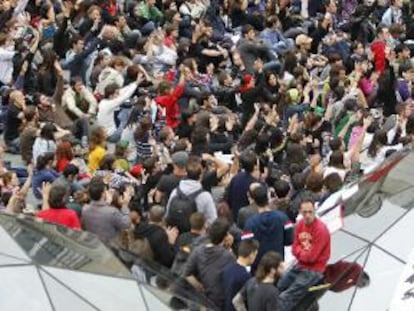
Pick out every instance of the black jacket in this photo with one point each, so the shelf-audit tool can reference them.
(158, 240)
(226, 96)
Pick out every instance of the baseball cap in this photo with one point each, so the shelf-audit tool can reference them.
(180, 159)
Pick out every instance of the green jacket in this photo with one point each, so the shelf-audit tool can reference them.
(150, 13)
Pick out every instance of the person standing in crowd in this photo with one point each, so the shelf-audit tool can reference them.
(100, 217)
(161, 239)
(260, 292)
(206, 264)
(239, 185)
(271, 228)
(191, 188)
(169, 182)
(250, 210)
(237, 274)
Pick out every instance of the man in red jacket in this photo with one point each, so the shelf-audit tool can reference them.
(312, 249)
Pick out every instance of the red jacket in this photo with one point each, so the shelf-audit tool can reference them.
(63, 216)
(316, 258)
(170, 103)
(378, 49)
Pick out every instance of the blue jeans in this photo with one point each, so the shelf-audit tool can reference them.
(294, 285)
(13, 145)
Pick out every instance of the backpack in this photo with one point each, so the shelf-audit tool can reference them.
(181, 208)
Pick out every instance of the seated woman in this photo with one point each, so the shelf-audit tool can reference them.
(44, 173)
(45, 142)
(377, 151)
(97, 148)
(64, 154)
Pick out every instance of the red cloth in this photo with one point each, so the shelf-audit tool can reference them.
(61, 165)
(246, 83)
(63, 216)
(316, 258)
(169, 41)
(343, 275)
(170, 103)
(378, 49)
(136, 171)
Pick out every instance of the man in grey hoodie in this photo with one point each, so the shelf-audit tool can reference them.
(204, 201)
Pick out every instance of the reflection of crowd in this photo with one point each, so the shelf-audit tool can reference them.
(203, 123)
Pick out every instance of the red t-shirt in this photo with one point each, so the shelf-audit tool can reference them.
(63, 216)
(61, 165)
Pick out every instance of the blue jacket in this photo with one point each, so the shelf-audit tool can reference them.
(273, 230)
(237, 192)
(39, 177)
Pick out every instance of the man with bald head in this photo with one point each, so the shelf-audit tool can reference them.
(247, 211)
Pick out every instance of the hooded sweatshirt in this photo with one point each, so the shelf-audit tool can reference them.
(204, 201)
(272, 229)
(317, 234)
(158, 240)
(207, 263)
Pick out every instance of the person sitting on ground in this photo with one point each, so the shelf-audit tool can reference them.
(312, 249)
(57, 211)
(45, 142)
(44, 172)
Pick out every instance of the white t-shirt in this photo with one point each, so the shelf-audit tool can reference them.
(42, 146)
(369, 164)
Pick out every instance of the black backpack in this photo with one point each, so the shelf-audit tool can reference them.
(181, 208)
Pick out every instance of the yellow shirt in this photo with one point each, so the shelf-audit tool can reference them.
(95, 157)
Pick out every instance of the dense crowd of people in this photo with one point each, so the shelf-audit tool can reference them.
(203, 134)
